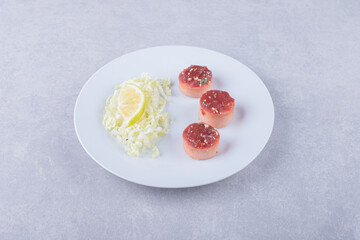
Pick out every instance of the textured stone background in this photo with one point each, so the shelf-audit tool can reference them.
(304, 185)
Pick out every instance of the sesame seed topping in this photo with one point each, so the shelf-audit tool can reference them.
(214, 109)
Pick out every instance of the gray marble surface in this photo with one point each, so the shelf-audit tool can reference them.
(304, 185)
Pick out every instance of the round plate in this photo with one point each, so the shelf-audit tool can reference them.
(240, 142)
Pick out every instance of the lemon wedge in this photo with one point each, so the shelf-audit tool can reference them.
(131, 104)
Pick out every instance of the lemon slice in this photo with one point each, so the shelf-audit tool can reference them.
(131, 104)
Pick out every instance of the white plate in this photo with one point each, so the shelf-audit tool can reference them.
(240, 142)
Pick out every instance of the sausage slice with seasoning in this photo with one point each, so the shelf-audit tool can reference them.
(195, 80)
(201, 141)
(216, 108)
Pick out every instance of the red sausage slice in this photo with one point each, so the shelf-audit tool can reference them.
(195, 80)
(216, 108)
(201, 141)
